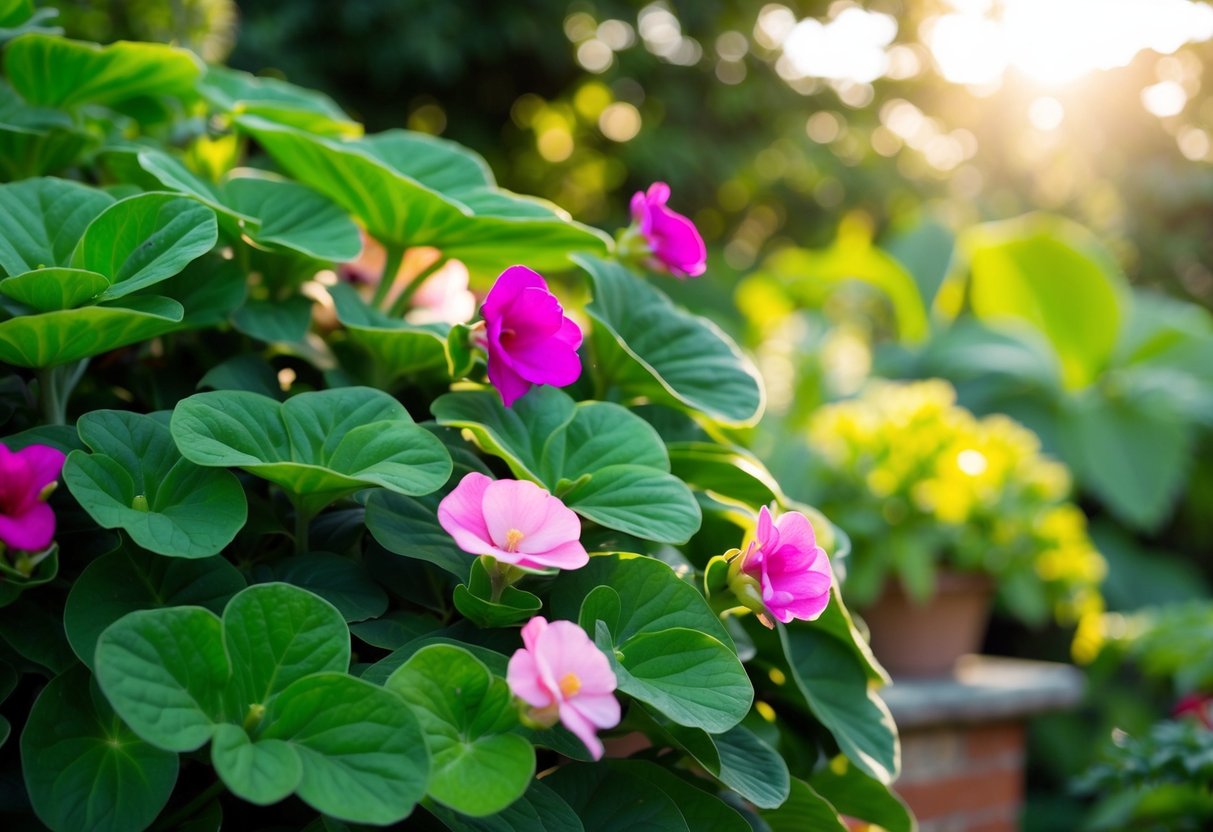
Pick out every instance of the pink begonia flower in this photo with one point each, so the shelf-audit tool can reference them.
(516, 522)
(26, 521)
(560, 672)
(673, 239)
(1196, 705)
(791, 568)
(527, 336)
(444, 298)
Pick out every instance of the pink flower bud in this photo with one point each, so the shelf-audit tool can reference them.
(673, 240)
(26, 521)
(560, 670)
(793, 571)
(528, 338)
(514, 521)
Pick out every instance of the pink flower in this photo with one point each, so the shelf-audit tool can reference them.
(26, 521)
(792, 570)
(559, 672)
(673, 239)
(1196, 705)
(516, 522)
(444, 298)
(527, 336)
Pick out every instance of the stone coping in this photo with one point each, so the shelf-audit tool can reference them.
(984, 689)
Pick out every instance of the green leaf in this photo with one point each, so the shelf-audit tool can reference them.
(730, 473)
(411, 189)
(340, 581)
(42, 220)
(54, 338)
(837, 690)
(1132, 453)
(539, 810)
(275, 321)
(409, 526)
(610, 798)
(398, 348)
(275, 100)
(701, 810)
(477, 766)
(275, 634)
(45, 290)
(84, 769)
(295, 217)
(853, 793)
(57, 72)
(364, 756)
(143, 239)
(136, 480)
(262, 772)
(1042, 271)
(603, 461)
(657, 352)
(317, 446)
(165, 672)
(805, 809)
(395, 629)
(474, 600)
(129, 580)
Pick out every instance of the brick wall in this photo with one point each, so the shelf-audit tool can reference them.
(964, 778)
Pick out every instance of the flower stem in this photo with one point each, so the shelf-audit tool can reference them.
(393, 256)
(401, 305)
(499, 580)
(303, 522)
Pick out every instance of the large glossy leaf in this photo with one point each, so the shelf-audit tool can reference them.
(478, 766)
(128, 580)
(42, 220)
(397, 347)
(317, 446)
(609, 798)
(409, 526)
(261, 772)
(57, 72)
(410, 189)
(136, 480)
(701, 810)
(838, 692)
(83, 767)
(657, 352)
(143, 239)
(363, 755)
(1053, 276)
(606, 463)
(275, 100)
(805, 809)
(342, 582)
(539, 810)
(45, 290)
(53, 338)
(728, 473)
(854, 793)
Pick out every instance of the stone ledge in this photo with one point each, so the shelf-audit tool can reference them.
(984, 689)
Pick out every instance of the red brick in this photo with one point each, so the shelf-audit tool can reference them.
(963, 793)
(1004, 740)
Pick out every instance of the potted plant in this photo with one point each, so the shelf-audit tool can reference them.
(946, 511)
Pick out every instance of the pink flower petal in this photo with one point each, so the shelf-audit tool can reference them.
(602, 710)
(513, 505)
(522, 674)
(32, 530)
(570, 555)
(533, 629)
(460, 513)
(583, 729)
(45, 465)
(508, 286)
(508, 382)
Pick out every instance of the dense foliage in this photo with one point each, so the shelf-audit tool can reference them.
(264, 588)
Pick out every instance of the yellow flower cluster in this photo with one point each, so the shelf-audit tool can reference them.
(978, 489)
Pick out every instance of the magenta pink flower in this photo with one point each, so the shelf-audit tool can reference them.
(791, 568)
(560, 673)
(516, 522)
(527, 336)
(673, 240)
(26, 521)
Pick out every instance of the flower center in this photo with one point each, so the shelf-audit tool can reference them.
(512, 538)
(570, 684)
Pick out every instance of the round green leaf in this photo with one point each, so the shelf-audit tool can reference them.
(731, 473)
(411, 189)
(294, 217)
(317, 446)
(340, 581)
(397, 347)
(42, 220)
(262, 772)
(701, 810)
(46, 290)
(539, 810)
(136, 480)
(85, 73)
(275, 100)
(609, 799)
(474, 601)
(143, 239)
(409, 526)
(84, 769)
(54, 338)
(657, 352)
(165, 672)
(477, 766)
(275, 634)
(125, 581)
(805, 809)
(363, 754)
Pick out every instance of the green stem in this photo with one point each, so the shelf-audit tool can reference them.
(303, 522)
(499, 579)
(190, 809)
(393, 256)
(55, 387)
(402, 303)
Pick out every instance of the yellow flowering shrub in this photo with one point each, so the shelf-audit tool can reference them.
(919, 483)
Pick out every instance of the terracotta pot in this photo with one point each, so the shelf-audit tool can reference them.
(913, 639)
